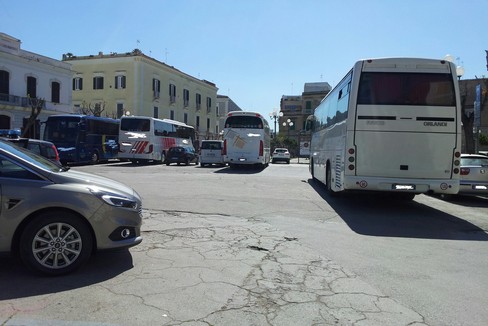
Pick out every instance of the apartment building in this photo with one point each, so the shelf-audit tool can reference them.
(225, 105)
(296, 109)
(26, 77)
(133, 83)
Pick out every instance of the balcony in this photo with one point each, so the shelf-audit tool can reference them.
(21, 101)
(14, 100)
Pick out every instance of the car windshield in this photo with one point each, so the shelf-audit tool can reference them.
(31, 157)
(211, 145)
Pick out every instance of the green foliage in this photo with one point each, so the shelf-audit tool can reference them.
(483, 139)
(283, 141)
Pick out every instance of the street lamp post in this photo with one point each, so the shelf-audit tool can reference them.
(290, 124)
(275, 115)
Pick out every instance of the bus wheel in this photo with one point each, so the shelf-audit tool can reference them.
(328, 185)
(95, 158)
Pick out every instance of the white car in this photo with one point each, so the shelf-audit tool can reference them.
(474, 175)
(211, 152)
(281, 154)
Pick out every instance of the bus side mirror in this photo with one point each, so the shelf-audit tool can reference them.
(309, 123)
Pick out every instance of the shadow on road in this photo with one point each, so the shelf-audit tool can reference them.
(18, 282)
(382, 215)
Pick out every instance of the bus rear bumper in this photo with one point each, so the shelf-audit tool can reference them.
(417, 186)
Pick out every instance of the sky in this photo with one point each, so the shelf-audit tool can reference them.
(256, 51)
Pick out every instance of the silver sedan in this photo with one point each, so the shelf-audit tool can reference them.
(474, 174)
(54, 218)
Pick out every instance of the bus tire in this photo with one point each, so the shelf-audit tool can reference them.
(311, 170)
(95, 158)
(328, 185)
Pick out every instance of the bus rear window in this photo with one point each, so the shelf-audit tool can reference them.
(244, 121)
(425, 89)
(135, 124)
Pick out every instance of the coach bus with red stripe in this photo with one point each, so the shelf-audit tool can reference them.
(145, 139)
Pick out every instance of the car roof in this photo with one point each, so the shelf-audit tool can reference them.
(473, 156)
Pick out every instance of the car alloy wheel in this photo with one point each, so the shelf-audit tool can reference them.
(55, 243)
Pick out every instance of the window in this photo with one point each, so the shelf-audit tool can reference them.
(198, 122)
(172, 93)
(55, 92)
(381, 88)
(119, 82)
(156, 87)
(77, 84)
(198, 99)
(120, 110)
(155, 112)
(185, 118)
(172, 114)
(186, 97)
(98, 82)
(12, 170)
(4, 82)
(209, 104)
(31, 87)
(208, 124)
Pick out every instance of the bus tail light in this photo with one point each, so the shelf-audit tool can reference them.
(150, 149)
(261, 148)
(464, 171)
(224, 148)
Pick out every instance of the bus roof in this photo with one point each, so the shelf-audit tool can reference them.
(232, 113)
(81, 116)
(173, 122)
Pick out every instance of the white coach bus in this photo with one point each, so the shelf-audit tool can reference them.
(390, 125)
(247, 139)
(144, 139)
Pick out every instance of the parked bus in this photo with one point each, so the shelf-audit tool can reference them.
(144, 139)
(83, 138)
(246, 139)
(390, 125)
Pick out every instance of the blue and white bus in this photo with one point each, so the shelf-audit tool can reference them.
(390, 125)
(83, 138)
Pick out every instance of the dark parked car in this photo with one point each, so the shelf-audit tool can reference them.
(181, 154)
(54, 218)
(40, 147)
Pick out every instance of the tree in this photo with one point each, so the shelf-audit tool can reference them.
(96, 110)
(36, 104)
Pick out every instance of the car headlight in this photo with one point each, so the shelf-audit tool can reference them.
(113, 199)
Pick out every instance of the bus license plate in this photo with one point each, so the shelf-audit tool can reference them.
(478, 187)
(402, 187)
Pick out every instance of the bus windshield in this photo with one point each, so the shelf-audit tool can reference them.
(62, 130)
(425, 89)
(241, 121)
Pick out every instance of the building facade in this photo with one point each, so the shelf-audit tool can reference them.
(135, 84)
(26, 77)
(225, 105)
(297, 108)
(478, 124)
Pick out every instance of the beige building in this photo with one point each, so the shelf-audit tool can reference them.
(134, 84)
(297, 108)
